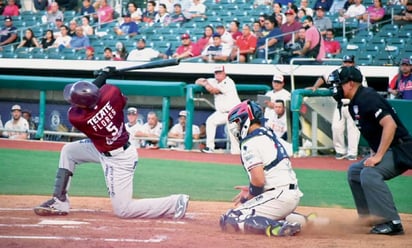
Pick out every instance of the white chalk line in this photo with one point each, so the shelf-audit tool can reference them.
(154, 239)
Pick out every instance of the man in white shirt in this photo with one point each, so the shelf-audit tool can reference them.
(17, 123)
(178, 130)
(150, 130)
(278, 93)
(225, 98)
(355, 10)
(133, 124)
(143, 53)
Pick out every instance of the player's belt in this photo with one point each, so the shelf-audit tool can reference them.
(116, 151)
(291, 187)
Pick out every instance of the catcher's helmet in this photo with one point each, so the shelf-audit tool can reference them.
(241, 116)
(82, 93)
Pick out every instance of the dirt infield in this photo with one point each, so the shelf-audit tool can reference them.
(92, 223)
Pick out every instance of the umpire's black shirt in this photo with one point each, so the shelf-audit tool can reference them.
(367, 108)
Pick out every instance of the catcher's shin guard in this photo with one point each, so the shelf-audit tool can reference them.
(229, 222)
(62, 183)
(259, 224)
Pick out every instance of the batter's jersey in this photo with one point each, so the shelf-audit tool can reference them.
(104, 124)
(228, 97)
(367, 108)
(261, 148)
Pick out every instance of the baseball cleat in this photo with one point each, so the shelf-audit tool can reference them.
(53, 207)
(286, 229)
(340, 156)
(181, 207)
(207, 150)
(388, 228)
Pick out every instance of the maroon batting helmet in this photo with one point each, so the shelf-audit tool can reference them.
(82, 93)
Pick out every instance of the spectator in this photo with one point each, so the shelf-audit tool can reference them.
(89, 52)
(355, 10)
(188, 49)
(401, 84)
(178, 130)
(257, 29)
(304, 4)
(225, 36)
(40, 5)
(29, 40)
(79, 41)
(206, 39)
(177, 15)
(169, 5)
(374, 13)
(326, 4)
(234, 29)
(226, 97)
(277, 13)
(337, 6)
(64, 39)
(278, 93)
(87, 29)
(287, 54)
(134, 11)
(143, 53)
(26, 114)
(17, 124)
(128, 27)
(151, 130)
(197, 9)
(87, 9)
(105, 12)
(300, 15)
(108, 55)
(280, 124)
(314, 45)
(48, 39)
(72, 28)
(149, 15)
(274, 39)
(262, 19)
(321, 21)
(217, 52)
(8, 33)
(257, 3)
(57, 27)
(245, 45)
(11, 9)
(66, 5)
(291, 25)
(121, 52)
(162, 16)
(342, 122)
(405, 16)
(133, 125)
(54, 13)
(332, 46)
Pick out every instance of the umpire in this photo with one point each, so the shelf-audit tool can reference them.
(384, 132)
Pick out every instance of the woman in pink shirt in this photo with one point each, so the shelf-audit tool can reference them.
(375, 12)
(105, 12)
(206, 39)
(11, 9)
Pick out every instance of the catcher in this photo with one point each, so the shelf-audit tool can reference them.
(273, 193)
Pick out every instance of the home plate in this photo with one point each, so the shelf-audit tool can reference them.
(62, 222)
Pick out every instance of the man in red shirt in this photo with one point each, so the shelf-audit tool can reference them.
(289, 26)
(332, 47)
(97, 111)
(245, 45)
(187, 50)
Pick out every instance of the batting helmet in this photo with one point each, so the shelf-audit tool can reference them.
(82, 93)
(242, 116)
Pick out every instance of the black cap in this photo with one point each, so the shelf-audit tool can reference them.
(142, 40)
(126, 15)
(350, 73)
(349, 58)
(8, 19)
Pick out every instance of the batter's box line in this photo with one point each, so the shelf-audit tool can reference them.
(71, 210)
(154, 239)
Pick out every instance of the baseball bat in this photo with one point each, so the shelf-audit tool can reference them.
(151, 65)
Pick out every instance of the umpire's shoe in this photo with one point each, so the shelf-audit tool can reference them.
(53, 207)
(388, 228)
(181, 207)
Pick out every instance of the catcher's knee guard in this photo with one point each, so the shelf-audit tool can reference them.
(229, 222)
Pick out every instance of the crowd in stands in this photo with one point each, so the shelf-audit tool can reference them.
(234, 31)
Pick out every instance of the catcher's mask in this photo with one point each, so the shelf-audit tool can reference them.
(242, 116)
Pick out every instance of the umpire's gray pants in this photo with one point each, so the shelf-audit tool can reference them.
(371, 194)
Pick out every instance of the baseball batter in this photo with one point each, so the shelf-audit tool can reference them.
(273, 193)
(97, 111)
